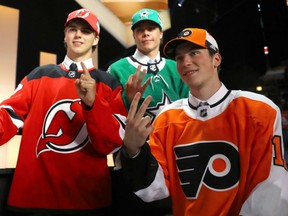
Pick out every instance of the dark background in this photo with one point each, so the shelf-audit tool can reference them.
(236, 25)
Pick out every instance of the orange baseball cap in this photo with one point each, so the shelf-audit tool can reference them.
(86, 15)
(196, 36)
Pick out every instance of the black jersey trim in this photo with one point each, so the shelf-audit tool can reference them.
(212, 105)
(135, 60)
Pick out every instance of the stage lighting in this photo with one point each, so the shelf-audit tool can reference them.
(180, 3)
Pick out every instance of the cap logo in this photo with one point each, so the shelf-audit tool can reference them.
(144, 14)
(185, 33)
(82, 13)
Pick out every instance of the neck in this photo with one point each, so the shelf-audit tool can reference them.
(79, 58)
(152, 54)
(205, 92)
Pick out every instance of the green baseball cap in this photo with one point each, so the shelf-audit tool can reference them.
(146, 14)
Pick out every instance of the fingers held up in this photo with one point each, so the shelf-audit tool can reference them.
(138, 127)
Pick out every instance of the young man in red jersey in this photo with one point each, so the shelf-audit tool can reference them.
(65, 112)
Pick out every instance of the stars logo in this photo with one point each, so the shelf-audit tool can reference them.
(144, 14)
(155, 110)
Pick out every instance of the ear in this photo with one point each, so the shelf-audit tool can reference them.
(217, 59)
(134, 35)
(96, 40)
(65, 30)
(161, 35)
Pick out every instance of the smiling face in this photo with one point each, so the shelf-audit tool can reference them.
(197, 67)
(79, 39)
(147, 36)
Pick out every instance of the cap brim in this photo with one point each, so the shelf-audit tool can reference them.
(169, 48)
(138, 22)
(87, 21)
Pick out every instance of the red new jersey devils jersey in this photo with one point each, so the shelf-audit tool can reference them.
(62, 161)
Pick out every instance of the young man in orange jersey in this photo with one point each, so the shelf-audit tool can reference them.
(217, 152)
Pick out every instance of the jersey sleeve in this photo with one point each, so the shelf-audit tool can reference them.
(115, 73)
(8, 126)
(105, 120)
(145, 175)
(270, 196)
(13, 111)
(105, 126)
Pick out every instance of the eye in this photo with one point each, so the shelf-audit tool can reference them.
(178, 58)
(86, 31)
(138, 29)
(71, 29)
(151, 28)
(194, 52)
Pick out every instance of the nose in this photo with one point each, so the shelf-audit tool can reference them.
(146, 32)
(187, 60)
(78, 33)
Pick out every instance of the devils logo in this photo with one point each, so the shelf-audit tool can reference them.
(64, 129)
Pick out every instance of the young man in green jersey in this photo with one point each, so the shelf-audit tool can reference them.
(160, 78)
(165, 84)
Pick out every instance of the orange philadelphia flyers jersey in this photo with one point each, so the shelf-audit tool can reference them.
(223, 158)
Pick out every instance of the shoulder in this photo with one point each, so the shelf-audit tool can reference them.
(102, 77)
(254, 100)
(119, 62)
(179, 104)
(169, 61)
(49, 70)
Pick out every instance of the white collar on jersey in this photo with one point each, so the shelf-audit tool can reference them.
(143, 59)
(67, 62)
(222, 91)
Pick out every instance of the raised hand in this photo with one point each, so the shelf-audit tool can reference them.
(138, 127)
(134, 83)
(86, 87)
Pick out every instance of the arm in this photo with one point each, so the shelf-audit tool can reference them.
(139, 166)
(105, 128)
(130, 80)
(102, 109)
(269, 195)
(86, 87)
(9, 121)
(134, 84)
(138, 127)
(14, 110)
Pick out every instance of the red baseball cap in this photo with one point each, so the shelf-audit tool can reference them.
(86, 15)
(197, 36)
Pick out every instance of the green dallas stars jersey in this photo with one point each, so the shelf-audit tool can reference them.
(165, 87)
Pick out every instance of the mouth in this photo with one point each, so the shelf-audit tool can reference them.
(77, 43)
(190, 72)
(146, 41)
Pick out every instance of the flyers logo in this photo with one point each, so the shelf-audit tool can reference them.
(215, 165)
(64, 130)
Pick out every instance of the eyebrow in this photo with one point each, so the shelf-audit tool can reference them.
(188, 50)
(82, 27)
